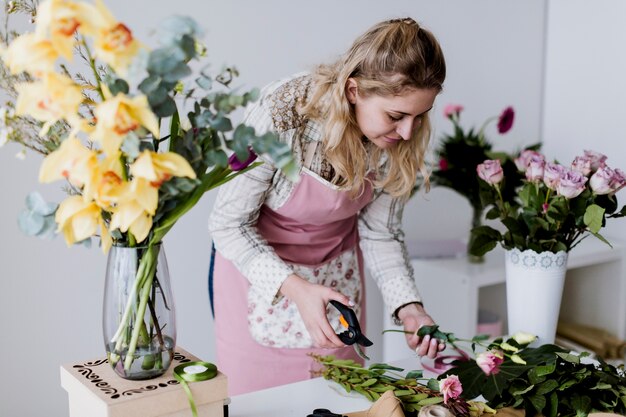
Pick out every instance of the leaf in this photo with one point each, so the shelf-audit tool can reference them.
(568, 357)
(483, 239)
(163, 60)
(36, 203)
(385, 366)
(546, 387)
(180, 71)
(369, 382)
(414, 374)
(30, 223)
(538, 401)
(165, 109)
(594, 215)
(430, 401)
(433, 384)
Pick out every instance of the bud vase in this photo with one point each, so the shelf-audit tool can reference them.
(139, 321)
(534, 287)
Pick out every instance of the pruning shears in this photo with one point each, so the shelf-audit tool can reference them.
(353, 334)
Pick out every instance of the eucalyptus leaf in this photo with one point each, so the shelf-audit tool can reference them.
(36, 203)
(30, 223)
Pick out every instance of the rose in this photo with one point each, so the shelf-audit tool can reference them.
(490, 171)
(582, 164)
(522, 161)
(571, 184)
(597, 159)
(535, 169)
(505, 121)
(450, 387)
(552, 175)
(600, 181)
(452, 110)
(619, 180)
(490, 361)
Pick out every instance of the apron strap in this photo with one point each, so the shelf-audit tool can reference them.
(309, 153)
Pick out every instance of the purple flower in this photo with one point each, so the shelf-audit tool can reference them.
(552, 175)
(490, 171)
(522, 161)
(619, 180)
(536, 165)
(236, 165)
(572, 183)
(600, 181)
(597, 159)
(452, 110)
(505, 121)
(582, 164)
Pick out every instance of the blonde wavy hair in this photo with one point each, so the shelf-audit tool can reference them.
(391, 57)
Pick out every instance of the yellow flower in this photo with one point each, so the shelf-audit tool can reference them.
(114, 41)
(72, 161)
(58, 20)
(77, 219)
(49, 100)
(131, 216)
(120, 115)
(145, 194)
(30, 53)
(160, 167)
(106, 185)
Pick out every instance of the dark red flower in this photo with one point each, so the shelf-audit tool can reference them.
(443, 164)
(505, 121)
(236, 165)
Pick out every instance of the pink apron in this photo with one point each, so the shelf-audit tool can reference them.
(316, 232)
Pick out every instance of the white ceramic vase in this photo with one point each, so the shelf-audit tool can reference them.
(534, 286)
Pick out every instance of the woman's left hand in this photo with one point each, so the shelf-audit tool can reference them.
(413, 317)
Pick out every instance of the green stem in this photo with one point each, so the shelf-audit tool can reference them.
(92, 65)
(146, 286)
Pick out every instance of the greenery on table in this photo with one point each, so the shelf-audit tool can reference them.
(548, 379)
(373, 381)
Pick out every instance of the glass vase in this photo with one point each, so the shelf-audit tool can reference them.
(477, 220)
(139, 320)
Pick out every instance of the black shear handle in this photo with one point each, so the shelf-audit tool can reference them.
(353, 334)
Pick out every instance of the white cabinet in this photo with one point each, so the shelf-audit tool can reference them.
(453, 289)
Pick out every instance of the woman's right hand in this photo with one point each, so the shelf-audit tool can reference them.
(311, 300)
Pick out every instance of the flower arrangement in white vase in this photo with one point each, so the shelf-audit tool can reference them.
(556, 207)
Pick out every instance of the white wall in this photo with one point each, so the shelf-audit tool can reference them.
(50, 296)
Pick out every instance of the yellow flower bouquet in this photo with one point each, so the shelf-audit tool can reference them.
(127, 181)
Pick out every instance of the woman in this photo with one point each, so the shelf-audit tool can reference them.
(359, 128)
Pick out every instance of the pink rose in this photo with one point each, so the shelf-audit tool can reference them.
(450, 387)
(597, 159)
(600, 181)
(505, 121)
(490, 361)
(582, 164)
(572, 183)
(452, 110)
(236, 165)
(535, 169)
(523, 159)
(552, 175)
(619, 180)
(490, 171)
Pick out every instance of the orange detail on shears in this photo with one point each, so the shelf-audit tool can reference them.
(343, 322)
